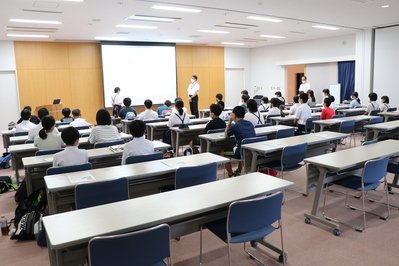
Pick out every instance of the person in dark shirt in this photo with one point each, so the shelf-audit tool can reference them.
(127, 109)
(34, 119)
(66, 112)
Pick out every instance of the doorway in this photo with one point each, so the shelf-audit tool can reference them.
(294, 74)
(235, 83)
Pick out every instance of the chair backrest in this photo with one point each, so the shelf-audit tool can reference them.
(376, 120)
(338, 116)
(264, 125)
(369, 142)
(152, 121)
(375, 112)
(347, 126)
(254, 214)
(144, 247)
(29, 141)
(374, 170)
(63, 123)
(284, 133)
(68, 169)
(144, 158)
(107, 144)
(195, 175)
(339, 108)
(38, 153)
(188, 124)
(17, 134)
(294, 154)
(98, 193)
(392, 109)
(215, 131)
(84, 135)
(268, 118)
(82, 127)
(309, 123)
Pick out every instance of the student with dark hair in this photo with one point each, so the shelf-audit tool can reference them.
(25, 125)
(139, 145)
(327, 112)
(373, 105)
(244, 100)
(295, 106)
(241, 129)
(34, 132)
(34, 119)
(193, 91)
(127, 112)
(326, 93)
(264, 105)
(253, 115)
(274, 102)
(78, 122)
(302, 113)
(243, 92)
(179, 116)
(176, 100)
(333, 105)
(104, 131)
(219, 97)
(165, 108)
(148, 114)
(116, 101)
(48, 139)
(71, 155)
(312, 100)
(223, 115)
(355, 100)
(66, 112)
(384, 103)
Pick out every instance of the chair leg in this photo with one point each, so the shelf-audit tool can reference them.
(200, 245)
(252, 256)
(229, 251)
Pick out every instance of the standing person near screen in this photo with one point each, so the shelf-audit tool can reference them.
(193, 91)
(305, 86)
(116, 101)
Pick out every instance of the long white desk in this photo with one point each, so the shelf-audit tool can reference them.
(347, 161)
(333, 124)
(288, 119)
(184, 136)
(389, 115)
(388, 129)
(351, 112)
(22, 139)
(183, 209)
(162, 118)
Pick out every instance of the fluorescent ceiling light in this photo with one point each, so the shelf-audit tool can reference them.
(385, 6)
(136, 26)
(35, 21)
(214, 31)
(233, 43)
(325, 27)
(272, 36)
(265, 19)
(150, 18)
(73, 0)
(112, 38)
(171, 8)
(175, 41)
(27, 35)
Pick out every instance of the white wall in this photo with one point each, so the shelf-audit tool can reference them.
(320, 76)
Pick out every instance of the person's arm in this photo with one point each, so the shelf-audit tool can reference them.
(367, 110)
(323, 114)
(226, 135)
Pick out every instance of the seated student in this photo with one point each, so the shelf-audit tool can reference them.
(264, 105)
(176, 100)
(244, 100)
(25, 125)
(242, 129)
(373, 105)
(326, 93)
(243, 92)
(34, 132)
(355, 100)
(71, 155)
(327, 112)
(165, 108)
(274, 102)
(312, 100)
(139, 145)
(148, 114)
(384, 103)
(104, 131)
(34, 119)
(78, 122)
(302, 113)
(179, 116)
(295, 106)
(219, 97)
(280, 98)
(66, 112)
(127, 112)
(48, 139)
(333, 105)
(253, 115)
(223, 115)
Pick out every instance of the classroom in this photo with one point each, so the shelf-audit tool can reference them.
(79, 51)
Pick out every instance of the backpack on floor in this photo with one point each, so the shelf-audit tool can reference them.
(21, 193)
(37, 201)
(29, 225)
(6, 184)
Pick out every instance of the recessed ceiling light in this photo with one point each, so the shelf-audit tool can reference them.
(272, 36)
(385, 6)
(35, 21)
(171, 8)
(136, 26)
(265, 19)
(27, 35)
(214, 31)
(112, 38)
(176, 41)
(233, 43)
(325, 27)
(150, 18)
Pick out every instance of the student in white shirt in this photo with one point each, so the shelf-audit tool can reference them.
(355, 100)
(25, 125)
(178, 117)
(295, 106)
(104, 131)
(305, 86)
(48, 139)
(34, 132)
(384, 103)
(71, 155)
(176, 100)
(274, 110)
(219, 97)
(302, 113)
(253, 115)
(373, 105)
(326, 93)
(223, 115)
(193, 91)
(148, 114)
(264, 106)
(79, 121)
(116, 101)
(243, 92)
(139, 145)
(333, 105)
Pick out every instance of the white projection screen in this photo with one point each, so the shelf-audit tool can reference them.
(141, 70)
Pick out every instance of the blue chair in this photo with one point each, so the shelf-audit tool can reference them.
(98, 193)
(248, 221)
(18, 134)
(392, 109)
(68, 169)
(84, 135)
(285, 133)
(339, 108)
(152, 121)
(268, 121)
(39, 153)
(264, 125)
(337, 116)
(63, 124)
(348, 127)
(375, 112)
(309, 126)
(144, 158)
(195, 175)
(373, 172)
(107, 144)
(29, 141)
(82, 127)
(215, 131)
(248, 141)
(145, 247)
(374, 120)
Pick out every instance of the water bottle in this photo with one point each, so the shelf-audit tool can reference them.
(4, 226)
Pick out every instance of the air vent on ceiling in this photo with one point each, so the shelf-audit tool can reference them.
(29, 29)
(297, 32)
(230, 27)
(42, 11)
(362, 1)
(246, 40)
(240, 24)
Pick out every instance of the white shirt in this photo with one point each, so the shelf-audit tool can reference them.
(70, 156)
(384, 107)
(302, 113)
(192, 88)
(224, 115)
(372, 106)
(175, 111)
(116, 98)
(24, 126)
(138, 146)
(79, 122)
(274, 111)
(176, 119)
(264, 107)
(334, 106)
(34, 132)
(52, 142)
(148, 114)
(304, 87)
(294, 108)
(104, 133)
(255, 118)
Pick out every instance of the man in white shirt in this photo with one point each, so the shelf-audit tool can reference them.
(302, 113)
(72, 155)
(25, 125)
(295, 106)
(78, 122)
(193, 91)
(116, 101)
(139, 145)
(148, 114)
(34, 132)
(305, 86)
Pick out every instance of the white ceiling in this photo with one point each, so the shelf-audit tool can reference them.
(82, 21)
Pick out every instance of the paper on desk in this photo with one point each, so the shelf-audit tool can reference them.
(81, 177)
(276, 144)
(174, 163)
(48, 159)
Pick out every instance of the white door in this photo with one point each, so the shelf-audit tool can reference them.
(9, 102)
(235, 83)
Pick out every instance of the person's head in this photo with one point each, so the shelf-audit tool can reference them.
(355, 95)
(117, 90)
(252, 105)
(327, 102)
(221, 103)
(219, 97)
(194, 78)
(66, 112)
(332, 98)
(304, 79)
(311, 95)
(25, 114)
(127, 102)
(42, 113)
(274, 102)
(29, 108)
(277, 93)
(264, 100)
(70, 136)
(48, 123)
(303, 98)
(326, 92)
(238, 113)
(296, 99)
(244, 92)
(178, 99)
(179, 107)
(167, 103)
(103, 117)
(148, 104)
(385, 99)
(373, 96)
(137, 128)
(76, 113)
(216, 110)
(244, 98)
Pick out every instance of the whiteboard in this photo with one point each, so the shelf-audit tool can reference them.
(335, 90)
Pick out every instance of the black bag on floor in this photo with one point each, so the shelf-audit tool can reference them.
(37, 201)
(6, 184)
(21, 193)
(167, 137)
(29, 225)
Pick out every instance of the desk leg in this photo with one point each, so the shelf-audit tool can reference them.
(15, 165)
(28, 180)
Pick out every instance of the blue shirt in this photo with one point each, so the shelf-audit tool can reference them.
(354, 104)
(245, 107)
(243, 129)
(163, 108)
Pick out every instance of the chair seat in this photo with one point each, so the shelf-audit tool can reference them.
(355, 182)
(393, 168)
(276, 165)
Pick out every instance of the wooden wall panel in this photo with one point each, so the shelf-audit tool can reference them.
(84, 55)
(200, 56)
(31, 84)
(184, 56)
(28, 55)
(216, 57)
(57, 86)
(55, 55)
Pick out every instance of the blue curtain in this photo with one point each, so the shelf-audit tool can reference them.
(346, 77)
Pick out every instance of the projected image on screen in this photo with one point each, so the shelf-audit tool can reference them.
(140, 71)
